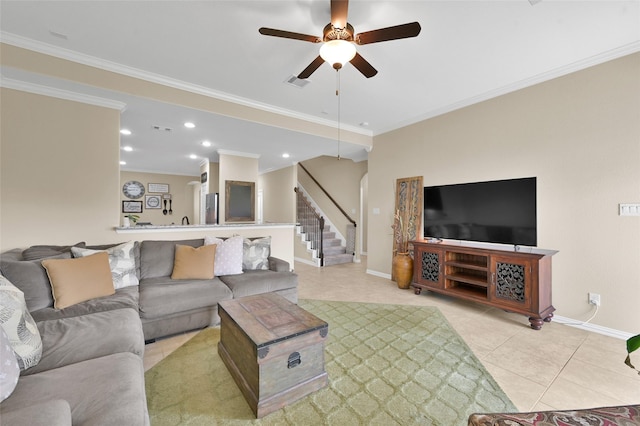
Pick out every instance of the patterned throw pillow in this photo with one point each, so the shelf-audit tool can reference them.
(20, 327)
(121, 261)
(256, 254)
(228, 255)
(9, 368)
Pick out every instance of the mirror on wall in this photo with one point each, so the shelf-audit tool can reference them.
(239, 201)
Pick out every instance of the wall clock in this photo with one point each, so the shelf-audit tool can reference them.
(133, 189)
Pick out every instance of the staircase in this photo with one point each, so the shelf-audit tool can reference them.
(334, 251)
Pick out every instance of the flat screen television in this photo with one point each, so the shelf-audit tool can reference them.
(502, 211)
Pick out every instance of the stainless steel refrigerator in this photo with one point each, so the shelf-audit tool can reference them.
(212, 209)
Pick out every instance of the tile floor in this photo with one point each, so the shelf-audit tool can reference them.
(558, 367)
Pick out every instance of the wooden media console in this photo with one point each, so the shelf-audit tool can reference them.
(516, 281)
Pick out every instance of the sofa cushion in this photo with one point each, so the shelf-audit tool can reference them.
(77, 280)
(123, 298)
(257, 282)
(44, 251)
(30, 277)
(9, 368)
(163, 296)
(156, 257)
(256, 254)
(20, 327)
(69, 340)
(102, 391)
(228, 255)
(193, 263)
(55, 412)
(279, 265)
(121, 261)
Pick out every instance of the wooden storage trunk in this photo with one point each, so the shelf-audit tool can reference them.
(273, 349)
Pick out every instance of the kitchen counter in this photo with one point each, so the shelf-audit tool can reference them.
(141, 229)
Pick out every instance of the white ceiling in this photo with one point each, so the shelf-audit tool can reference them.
(468, 51)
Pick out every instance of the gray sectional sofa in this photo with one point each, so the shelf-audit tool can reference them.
(91, 370)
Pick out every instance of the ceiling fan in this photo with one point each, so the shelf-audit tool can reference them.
(339, 40)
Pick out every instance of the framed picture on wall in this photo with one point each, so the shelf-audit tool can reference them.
(152, 201)
(129, 206)
(158, 187)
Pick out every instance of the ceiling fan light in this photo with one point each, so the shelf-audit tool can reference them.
(338, 52)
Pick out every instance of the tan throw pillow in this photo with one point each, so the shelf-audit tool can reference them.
(78, 280)
(193, 263)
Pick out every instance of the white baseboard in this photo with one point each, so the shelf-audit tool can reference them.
(594, 328)
(378, 274)
(305, 261)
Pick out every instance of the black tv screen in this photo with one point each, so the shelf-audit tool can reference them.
(502, 211)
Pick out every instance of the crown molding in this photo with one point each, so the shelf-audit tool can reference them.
(38, 89)
(237, 153)
(103, 64)
(540, 78)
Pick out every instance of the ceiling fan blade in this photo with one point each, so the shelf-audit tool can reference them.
(289, 34)
(339, 10)
(306, 73)
(390, 33)
(363, 66)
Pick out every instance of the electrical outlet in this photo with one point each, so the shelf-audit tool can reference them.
(594, 299)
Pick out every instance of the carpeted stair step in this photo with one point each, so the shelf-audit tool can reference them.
(337, 259)
(333, 250)
(331, 242)
(328, 235)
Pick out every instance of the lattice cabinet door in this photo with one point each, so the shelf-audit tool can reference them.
(428, 266)
(511, 282)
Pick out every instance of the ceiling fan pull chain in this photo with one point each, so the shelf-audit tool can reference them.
(338, 95)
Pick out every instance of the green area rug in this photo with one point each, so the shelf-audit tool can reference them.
(387, 364)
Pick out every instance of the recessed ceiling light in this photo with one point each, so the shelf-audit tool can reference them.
(206, 143)
(285, 155)
(122, 163)
(193, 156)
(364, 124)
(189, 125)
(125, 132)
(127, 148)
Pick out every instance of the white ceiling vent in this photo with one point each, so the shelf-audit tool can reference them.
(298, 82)
(161, 128)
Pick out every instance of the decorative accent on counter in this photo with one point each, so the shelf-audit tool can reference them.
(130, 219)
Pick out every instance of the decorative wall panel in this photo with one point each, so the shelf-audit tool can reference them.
(510, 281)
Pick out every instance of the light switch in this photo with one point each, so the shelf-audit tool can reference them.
(376, 210)
(632, 209)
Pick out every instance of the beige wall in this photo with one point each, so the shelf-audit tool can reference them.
(580, 136)
(234, 167)
(364, 207)
(279, 202)
(214, 177)
(341, 179)
(60, 171)
(182, 197)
